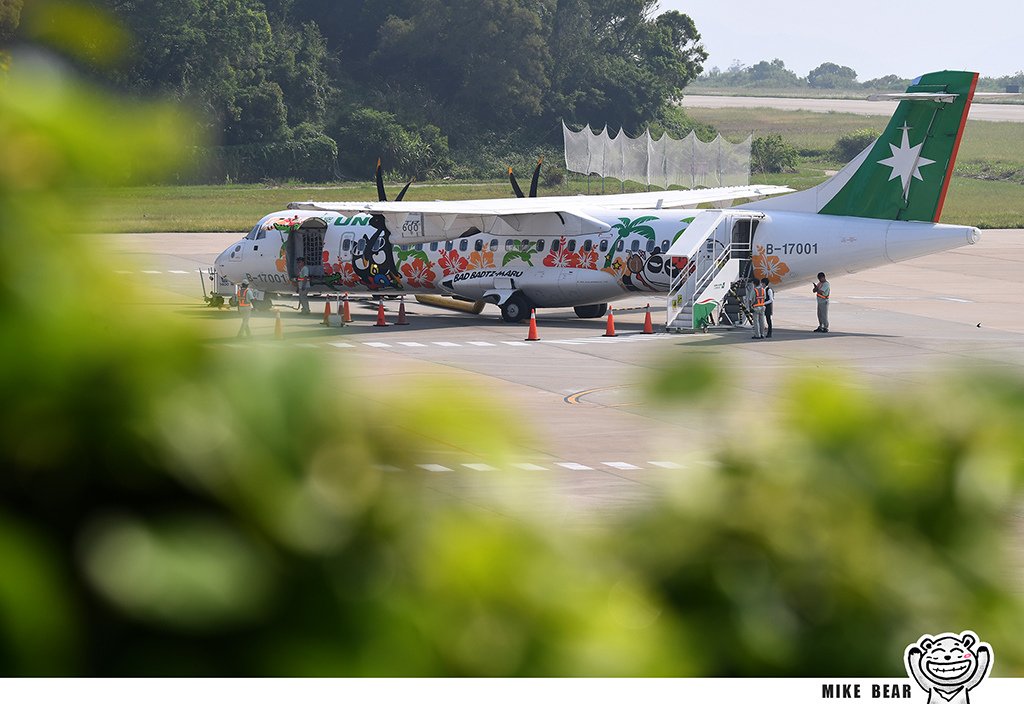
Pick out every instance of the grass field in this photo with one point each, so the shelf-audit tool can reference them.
(991, 149)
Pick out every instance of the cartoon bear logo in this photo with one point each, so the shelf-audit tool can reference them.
(948, 666)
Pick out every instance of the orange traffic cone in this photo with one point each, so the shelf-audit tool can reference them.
(401, 312)
(648, 326)
(327, 311)
(533, 336)
(278, 329)
(381, 323)
(347, 316)
(610, 330)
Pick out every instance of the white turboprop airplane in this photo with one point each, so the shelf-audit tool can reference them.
(585, 251)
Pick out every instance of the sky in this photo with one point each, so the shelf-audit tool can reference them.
(874, 37)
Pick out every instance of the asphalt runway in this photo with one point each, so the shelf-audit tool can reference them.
(589, 438)
(990, 112)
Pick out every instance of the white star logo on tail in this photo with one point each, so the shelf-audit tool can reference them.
(906, 161)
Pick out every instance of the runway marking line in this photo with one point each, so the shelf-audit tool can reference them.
(479, 467)
(435, 468)
(574, 399)
(575, 466)
(530, 467)
(621, 465)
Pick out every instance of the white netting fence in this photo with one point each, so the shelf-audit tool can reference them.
(666, 162)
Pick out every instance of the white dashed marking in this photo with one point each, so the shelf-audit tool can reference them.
(666, 465)
(515, 343)
(531, 467)
(479, 343)
(377, 344)
(621, 465)
(340, 344)
(412, 344)
(448, 344)
(148, 271)
(435, 468)
(479, 467)
(575, 466)
(177, 271)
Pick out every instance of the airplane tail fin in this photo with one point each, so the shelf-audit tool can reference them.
(905, 173)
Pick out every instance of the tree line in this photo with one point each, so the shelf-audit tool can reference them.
(826, 76)
(435, 87)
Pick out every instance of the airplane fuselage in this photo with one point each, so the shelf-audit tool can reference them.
(347, 254)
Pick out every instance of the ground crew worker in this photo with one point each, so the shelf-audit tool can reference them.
(246, 296)
(757, 308)
(302, 286)
(769, 300)
(822, 290)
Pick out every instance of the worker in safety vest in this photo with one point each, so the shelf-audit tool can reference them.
(246, 296)
(757, 304)
(769, 301)
(302, 286)
(822, 290)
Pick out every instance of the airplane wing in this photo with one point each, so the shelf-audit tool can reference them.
(424, 221)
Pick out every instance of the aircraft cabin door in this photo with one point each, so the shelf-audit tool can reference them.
(743, 229)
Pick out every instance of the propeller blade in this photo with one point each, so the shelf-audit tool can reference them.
(515, 184)
(381, 195)
(536, 176)
(402, 194)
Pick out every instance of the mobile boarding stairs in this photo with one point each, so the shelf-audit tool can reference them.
(712, 265)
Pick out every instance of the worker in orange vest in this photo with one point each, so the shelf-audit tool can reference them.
(246, 296)
(757, 304)
(302, 285)
(822, 291)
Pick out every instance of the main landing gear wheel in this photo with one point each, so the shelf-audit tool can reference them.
(598, 310)
(263, 304)
(516, 308)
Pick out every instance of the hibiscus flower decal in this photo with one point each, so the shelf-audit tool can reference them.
(768, 266)
(562, 257)
(587, 260)
(418, 274)
(452, 262)
(346, 274)
(481, 260)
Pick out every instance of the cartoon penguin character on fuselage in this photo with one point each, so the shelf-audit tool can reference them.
(948, 666)
(374, 261)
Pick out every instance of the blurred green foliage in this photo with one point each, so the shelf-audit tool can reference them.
(161, 514)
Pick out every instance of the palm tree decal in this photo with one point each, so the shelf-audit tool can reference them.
(627, 227)
(521, 249)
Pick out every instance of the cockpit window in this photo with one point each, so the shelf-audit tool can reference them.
(260, 234)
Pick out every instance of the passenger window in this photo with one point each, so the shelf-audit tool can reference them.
(587, 245)
(603, 246)
(650, 245)
(508, 245)
(346, 244)
(433, 246)
(494, 245)
(419, 246)
(360, 246)
(664, 246)
(572, 245)
(622, 245)
(634, 246)
(540, 245)
(478, 246)
(463, 245)
(555, 244)
(449, 246)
